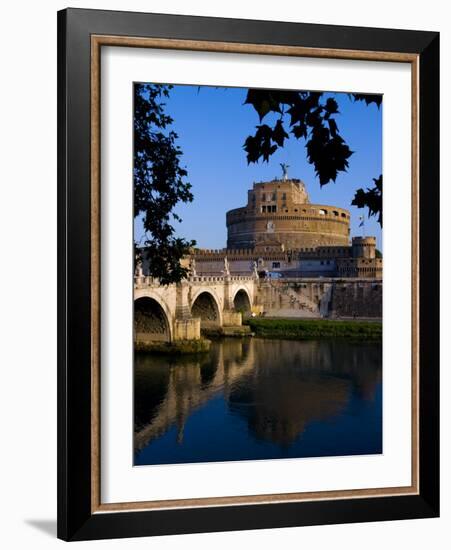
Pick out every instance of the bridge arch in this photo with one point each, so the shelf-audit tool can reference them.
(206, 306)
(242, 301)
(151, 319)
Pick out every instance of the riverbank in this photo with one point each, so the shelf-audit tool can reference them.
(309, 329)
(228, 332)
(180, 347)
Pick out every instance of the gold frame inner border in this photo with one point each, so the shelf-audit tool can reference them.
(97, 41)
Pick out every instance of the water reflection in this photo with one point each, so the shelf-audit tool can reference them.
(253, 398)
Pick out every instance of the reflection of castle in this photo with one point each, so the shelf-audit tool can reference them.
(280, 230)
(277, 387)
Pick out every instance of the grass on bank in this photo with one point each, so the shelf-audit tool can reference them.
(307, 329)
(180, 347)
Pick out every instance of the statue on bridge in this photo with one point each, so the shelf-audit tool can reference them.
(139, 269)
(254, 270)
(226, 270)
(192, 267)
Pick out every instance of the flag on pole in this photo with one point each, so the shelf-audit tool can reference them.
(362, 221)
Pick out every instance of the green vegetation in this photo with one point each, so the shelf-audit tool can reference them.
(220, 332)
(310, 329)
(180, 347)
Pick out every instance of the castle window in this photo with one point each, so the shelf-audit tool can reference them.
(295, 209)
(274, 196)
(343, 215)
(276, 265)
(322, 212)
(263, 208)
(263, 197)
(284, 196)
(335, 213)
(273, 208)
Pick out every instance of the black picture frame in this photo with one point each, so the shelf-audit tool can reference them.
(76, 519)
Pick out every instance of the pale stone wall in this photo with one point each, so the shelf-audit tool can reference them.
(187, 329)
(232, 318)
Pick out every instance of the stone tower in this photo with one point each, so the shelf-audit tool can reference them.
(279, 212)
(364, 247)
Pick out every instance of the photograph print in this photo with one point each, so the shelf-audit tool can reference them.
(257, 274)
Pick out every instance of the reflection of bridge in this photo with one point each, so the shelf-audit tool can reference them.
(277, 386)
(179, 311)
(187, 387)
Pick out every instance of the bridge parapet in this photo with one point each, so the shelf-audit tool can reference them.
(217, 300)
(146, 281)
(220, 278)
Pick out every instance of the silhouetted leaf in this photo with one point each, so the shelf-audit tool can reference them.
(331, 107)
(263, 101)
(368, 98)
(279, 134)
(310, 118)
(371, 199)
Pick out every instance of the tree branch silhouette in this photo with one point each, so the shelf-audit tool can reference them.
(311, 117)
(159, 183)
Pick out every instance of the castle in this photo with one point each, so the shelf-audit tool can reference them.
(280, 233)
(285, 257)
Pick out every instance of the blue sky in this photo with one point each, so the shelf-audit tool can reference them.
(212, 124)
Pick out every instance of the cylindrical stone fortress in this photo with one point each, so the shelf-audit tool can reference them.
(280, 211)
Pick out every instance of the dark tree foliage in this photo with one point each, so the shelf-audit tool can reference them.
(367, 98)
(159, 183)
(312, 117)
(371, 198)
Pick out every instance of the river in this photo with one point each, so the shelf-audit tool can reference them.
(251, 398)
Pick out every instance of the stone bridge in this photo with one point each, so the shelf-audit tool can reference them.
(179, 311)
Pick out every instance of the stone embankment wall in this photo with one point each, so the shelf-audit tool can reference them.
(326, 298)
(360, 299)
